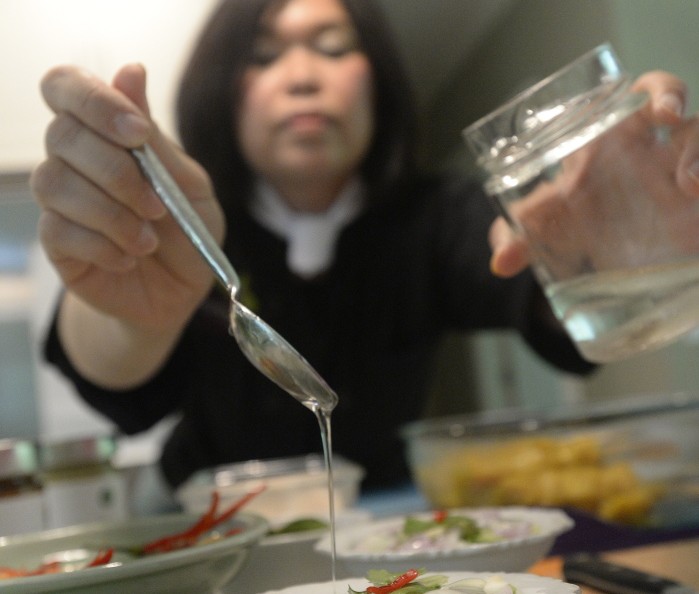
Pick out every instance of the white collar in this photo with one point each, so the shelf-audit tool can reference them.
(311, 237)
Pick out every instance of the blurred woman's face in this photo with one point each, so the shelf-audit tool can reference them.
(307, 100)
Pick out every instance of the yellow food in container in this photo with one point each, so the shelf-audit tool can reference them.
(538, 471)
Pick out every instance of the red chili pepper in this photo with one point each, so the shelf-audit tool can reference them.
(440, 515)
(206, 522)
(399, 582)
(44, 568)
(235, 508)
(208, 518)
(102, 558)
(181, 539)
(53, 567)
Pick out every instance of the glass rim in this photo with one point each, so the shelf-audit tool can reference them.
(603, 48)
(517, 421)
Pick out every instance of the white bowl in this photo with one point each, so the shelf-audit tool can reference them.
(519, 582)
(295, 487)
(280, 560)
(356, 551)
(205, 568)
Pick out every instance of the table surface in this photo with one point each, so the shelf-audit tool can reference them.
(678, 560)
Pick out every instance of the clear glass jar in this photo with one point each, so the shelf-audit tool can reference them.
(80, 483)
(21, 507)
(586, 176)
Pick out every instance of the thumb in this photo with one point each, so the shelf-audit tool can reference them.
(509, 252)
(131, 80)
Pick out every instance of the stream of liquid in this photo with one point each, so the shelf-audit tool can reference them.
(326, 438)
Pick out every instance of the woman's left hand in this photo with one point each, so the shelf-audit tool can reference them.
(668, 99)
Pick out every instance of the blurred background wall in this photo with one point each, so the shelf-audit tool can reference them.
(464, 56)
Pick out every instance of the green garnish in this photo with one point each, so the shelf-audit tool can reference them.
(468, 528)
(410, 582)
(414, 582)
(300, 525)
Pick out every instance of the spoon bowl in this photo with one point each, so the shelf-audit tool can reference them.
(264, 347)
(278, 360)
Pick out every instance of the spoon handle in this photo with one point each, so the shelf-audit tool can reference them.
(177, 203)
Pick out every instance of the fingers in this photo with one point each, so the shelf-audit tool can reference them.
(510, 255)
(131, 80)
(102, 108)
(93, 124)
(668, 96)
(104, 164)
(89, 186)
(73, 248)
(98, 208)
(60, 190)
(668, 100)
(688, 167)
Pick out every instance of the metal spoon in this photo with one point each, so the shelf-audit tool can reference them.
(260, 343)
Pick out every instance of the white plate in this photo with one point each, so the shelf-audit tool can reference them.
(524, 582)
(515, 553)
(202, 569)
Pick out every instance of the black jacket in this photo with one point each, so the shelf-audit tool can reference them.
(370, 325)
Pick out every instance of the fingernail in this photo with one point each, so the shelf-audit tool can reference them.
(672, 104)
(147, 238)
(131, 127)
(495, 265)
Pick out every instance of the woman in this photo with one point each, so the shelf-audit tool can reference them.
(299, 112)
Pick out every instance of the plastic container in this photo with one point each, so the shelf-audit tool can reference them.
(295, 487)
(80, 484)
(20, 488)
(633, 460)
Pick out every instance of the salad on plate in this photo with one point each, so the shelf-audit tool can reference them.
(446, 531)
(414, 581)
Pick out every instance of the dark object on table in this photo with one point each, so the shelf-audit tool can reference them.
(617, 579)
(593, 535)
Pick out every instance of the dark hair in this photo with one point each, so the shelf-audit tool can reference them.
(211, 86)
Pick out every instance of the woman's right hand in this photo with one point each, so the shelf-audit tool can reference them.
(102, 226)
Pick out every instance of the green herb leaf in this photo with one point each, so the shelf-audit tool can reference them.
(381, 577)
(301, 525)
(467, 527)
(413, 526)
